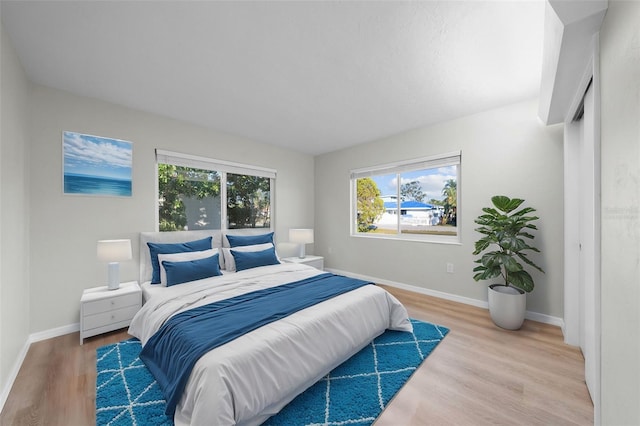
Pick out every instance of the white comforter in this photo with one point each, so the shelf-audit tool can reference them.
(251, 378)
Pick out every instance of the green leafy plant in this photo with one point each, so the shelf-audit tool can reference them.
(370, 205)
(505, 234)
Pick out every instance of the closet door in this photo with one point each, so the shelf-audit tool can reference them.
(589, 230)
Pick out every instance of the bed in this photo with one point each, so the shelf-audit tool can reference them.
(250, 378)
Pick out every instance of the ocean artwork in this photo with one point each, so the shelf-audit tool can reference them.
(95, 165)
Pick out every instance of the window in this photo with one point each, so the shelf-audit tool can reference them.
(415, 200)
(200, 193)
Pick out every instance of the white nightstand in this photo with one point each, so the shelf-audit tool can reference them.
(103, 310)
(315, 261)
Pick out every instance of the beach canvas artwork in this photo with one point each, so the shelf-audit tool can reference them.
(96, 165)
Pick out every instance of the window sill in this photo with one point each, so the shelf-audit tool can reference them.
(450, 240)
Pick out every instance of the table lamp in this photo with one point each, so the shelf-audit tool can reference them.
(114, 251)
(302, 237)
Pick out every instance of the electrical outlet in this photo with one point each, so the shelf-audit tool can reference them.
(450, 268)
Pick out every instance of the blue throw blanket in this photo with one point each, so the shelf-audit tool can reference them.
(171, 353)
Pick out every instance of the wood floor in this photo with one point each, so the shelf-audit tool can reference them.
(478, 375)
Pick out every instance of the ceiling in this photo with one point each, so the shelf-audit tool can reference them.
(311, 76)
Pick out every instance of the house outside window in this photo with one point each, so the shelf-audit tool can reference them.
(413, 200)
(200, 193)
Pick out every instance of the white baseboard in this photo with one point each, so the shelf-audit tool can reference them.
(32, 338)
(54, 332)
(13, 374)
(546, 319)
(534, 316)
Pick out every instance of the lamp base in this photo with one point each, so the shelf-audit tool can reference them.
(302, 254)
(113, 280)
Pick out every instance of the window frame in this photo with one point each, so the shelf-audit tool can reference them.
(398, 168)
(220, 166)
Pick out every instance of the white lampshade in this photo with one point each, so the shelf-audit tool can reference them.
(302, 237)
(114, 251)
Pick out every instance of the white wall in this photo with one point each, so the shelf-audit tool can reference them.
(14, 214)
(620, 180)
(65, 229)
(504, 151)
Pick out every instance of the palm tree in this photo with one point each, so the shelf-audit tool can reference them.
(450, 192)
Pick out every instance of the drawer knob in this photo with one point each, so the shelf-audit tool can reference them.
(113, 302)
(113, 317)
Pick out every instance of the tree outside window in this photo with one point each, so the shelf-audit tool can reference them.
(370, 205)
(191, 198)
(188, 198)
(248, 201)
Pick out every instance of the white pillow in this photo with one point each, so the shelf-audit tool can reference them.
(181, 257)
(229, 261)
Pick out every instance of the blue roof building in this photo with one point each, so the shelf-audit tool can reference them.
(408, 205)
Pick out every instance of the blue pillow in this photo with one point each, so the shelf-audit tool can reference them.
(253, 259)
(156, 248)
(191, 270)
(249, 240)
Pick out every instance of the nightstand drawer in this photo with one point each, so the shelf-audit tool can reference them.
(110, 304)
(109, 318)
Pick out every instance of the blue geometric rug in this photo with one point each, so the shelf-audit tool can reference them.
(353, 393)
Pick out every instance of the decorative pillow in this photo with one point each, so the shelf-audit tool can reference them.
(249, 240)
(253, 259)
(191, 270)
(230, 263)
(157, 248)
(181, 257)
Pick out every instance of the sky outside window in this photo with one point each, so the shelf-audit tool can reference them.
(432, 181)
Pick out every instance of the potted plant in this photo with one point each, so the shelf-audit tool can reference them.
(505, 237)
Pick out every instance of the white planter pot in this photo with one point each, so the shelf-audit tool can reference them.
(507, 306)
